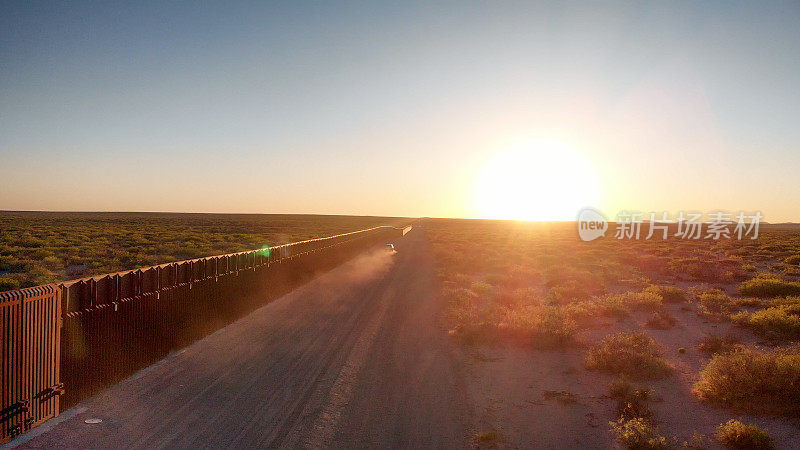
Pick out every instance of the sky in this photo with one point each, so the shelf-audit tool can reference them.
(454, 109)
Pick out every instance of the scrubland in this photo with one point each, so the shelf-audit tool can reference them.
(43, 247)
(696, 340)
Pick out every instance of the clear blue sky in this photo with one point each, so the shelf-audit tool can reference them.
(390, 109)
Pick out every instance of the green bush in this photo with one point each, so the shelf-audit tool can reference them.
(753, 380)
(634, 355)
(735, 434)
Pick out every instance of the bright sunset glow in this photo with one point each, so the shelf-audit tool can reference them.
(536, 180)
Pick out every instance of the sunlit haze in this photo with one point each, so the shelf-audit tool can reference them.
(478, 109)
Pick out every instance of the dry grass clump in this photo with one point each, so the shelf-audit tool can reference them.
(716, 303)
(735, 434)
(712, 344)
(633, 355)
(791, 270)
(547, 326)
(613, 305)
(622, 305)
(707, 268)
(563, 397)
(769, 286)
(632, 401)
(518, 297)
(634, 428)
(488, 437)
(483, 313)
(776, 323)
(638, 433)
(792, 304)
(669, 294)
(753, 380)
(750, 302)
(10, 282)
(567, 292)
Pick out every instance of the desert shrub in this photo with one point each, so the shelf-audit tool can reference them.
(638, 433)
(614, 305)
(747, 267)
(621, 305)
(753, 380)
(488, 436)
(632, 401)
(698, 441)
(735, 434)
(794, 259)
(538, 326)
(567, 292)
(9, 283)
(621, 388)
(564, 274)
(650, 263)
(702, 269)
(610, 305)
(563, 397)
(471, 315)
(792, 304)
(52, 263)
(712, 344)
(773, 323)
(714, 301)
(634, 355)
(519, 276)
(555, 327)
(769, 287)
(10, 264)
(749, 302)
(481, 288)
(582, 312)
(669, 294)
(791, 270)
(518, 298)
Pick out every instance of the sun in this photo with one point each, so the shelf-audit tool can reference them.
(536, 180)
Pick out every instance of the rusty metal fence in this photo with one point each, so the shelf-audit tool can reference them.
(30, 349)
(62, 343)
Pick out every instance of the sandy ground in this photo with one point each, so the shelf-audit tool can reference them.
(359, 358)
(509, 388)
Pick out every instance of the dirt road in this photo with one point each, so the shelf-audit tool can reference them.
(354, 358)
